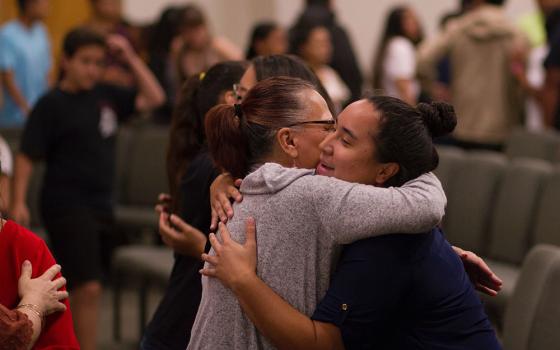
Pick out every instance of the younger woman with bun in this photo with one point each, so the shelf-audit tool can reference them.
(302, 218)
(397, 291)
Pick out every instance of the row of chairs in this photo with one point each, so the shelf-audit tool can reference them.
(533, 314)
(499, 208)
(543, 145)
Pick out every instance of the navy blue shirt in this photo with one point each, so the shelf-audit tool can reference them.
(405, 291)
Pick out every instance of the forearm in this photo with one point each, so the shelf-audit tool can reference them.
(151, 94)
(4, 192)
(404, 86)
(278, 321)
(22, 173)
(14, 92)
(367, 211)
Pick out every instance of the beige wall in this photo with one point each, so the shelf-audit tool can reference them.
(362, 18)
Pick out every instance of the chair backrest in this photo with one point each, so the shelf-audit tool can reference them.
(470, 200)
(547, 224)
(145, 170)
(532, 304)
(545, 332)
(449, 159)
(543, 145)
(515, 208)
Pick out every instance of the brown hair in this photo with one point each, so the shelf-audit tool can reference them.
(241, 136)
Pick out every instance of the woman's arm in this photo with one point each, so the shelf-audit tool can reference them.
(406, 91)
(350, 212)
(150, 93)
(282, 324)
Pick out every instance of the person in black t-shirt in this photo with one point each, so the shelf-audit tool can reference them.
(72, 128)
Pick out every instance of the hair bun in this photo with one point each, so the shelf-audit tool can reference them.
(439, 117)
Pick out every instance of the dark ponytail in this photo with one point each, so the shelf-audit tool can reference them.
(405, 135)
(226, 142)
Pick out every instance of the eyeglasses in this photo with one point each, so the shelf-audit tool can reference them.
(330, 124)
(239, 91)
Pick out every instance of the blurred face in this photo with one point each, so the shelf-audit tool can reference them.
(308, 137)
(349, 153)
(85, 69)
(410, 24)
(108, 9)
(318, 48)
(248, 80)
(38, 9)
(275, 44)
(196, 37)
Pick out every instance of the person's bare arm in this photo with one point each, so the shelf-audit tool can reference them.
(22, 174)
(282, 324)
(4, 192)
(226, 49)
(150, 93)
(9, 83)
(404, 86)
(480, 274)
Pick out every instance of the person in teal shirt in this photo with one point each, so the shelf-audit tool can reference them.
(25, 62)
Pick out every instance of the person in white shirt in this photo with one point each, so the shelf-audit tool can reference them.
(394, 69)
(312, 42)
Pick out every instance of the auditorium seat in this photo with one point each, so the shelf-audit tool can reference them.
(470, 197)
(533, 312)
(142, 178)
(543, 145)
(449, 158)
(142, 267)
(547, 225)
(512, 223)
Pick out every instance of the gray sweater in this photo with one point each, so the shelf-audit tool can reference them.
(301, 221)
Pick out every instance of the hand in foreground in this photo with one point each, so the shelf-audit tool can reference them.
(180, 236)
(233, 262)
(222, 191)
(42, 291)
(481, 276)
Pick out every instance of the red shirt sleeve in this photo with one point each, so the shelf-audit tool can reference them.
(19, 245)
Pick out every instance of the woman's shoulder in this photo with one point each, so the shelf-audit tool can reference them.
(19, 237)
(400, 44)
